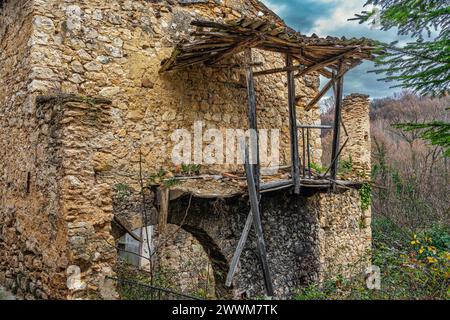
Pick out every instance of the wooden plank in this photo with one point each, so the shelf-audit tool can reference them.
(234, 49)
(324, 90)
(254, 203)
(164, 199)
(337, 124)
(293, 126)
(252, 118)
(239, 249)
(325, 63)
(319, 96)
(307, 126)
(277, 70)
(126, 229)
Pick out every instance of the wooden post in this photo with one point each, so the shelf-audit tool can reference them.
(337, 124)
(253, 124)
(254, 203)
(293, 125)
(164, 198)
(239, 249)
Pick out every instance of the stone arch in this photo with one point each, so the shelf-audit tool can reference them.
(217, 259)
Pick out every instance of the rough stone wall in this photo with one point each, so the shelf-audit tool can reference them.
(56, 219)
(292, 249)
(345, 234)
(184, 264)
(355, 116)
(309, 239)
(60, 161)
(32, 238)
(114, 49)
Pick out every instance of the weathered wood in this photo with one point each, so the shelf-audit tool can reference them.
(276, 184)
(308, 145)
(254, 203)
(336, 157)
(303, 153)
(239, 249)
(277, 70)
(307, 126)
(236, 48)
(164, 199)
(252, 119)
(326, 62)
(337, 124)
(319, 96)
(126, 229)
(330, 84)
(293, 126)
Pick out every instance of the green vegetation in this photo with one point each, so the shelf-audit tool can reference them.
(318, 168)
(345, 166)
(190, 169)
(413, 266)
(366, 196)
(422, 66)
(122, 190)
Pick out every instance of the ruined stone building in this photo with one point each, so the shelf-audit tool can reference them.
(91, 92)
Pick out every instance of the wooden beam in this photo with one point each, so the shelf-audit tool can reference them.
(277, 70)
(337, 123)
(252, 119)
(325, 63)
(254, 203)
(239, 249)
(293, 126)
(322, 92)
(239, 46)
(164, 199)
(126, 229)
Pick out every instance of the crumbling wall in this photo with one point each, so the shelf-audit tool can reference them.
(355, 117)
(33, 256)
(291, 233)
(56, 218)
(309, 239)
(344, 234)
(60, 163)
(115, 49)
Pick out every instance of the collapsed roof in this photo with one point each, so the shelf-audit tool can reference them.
(212, 42)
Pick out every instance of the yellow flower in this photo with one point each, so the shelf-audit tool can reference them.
(432, 260)
(447, 255)
(432, 249)
(415, 242)
(422, 250)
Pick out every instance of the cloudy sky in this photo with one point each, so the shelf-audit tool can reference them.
(329, 17)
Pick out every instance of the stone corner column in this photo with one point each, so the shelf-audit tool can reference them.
(356, 120)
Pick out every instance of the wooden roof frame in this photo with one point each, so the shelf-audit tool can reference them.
(212, 42)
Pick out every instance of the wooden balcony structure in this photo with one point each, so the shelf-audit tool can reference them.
(213, 42)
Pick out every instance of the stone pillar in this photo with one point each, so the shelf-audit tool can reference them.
(355, 157)
(86, 203)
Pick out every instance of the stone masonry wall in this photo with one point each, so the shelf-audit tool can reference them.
(33, 256)
(308, 239)
(345, 234)
(290, 230)
(355, 116)
(114, 49)
(61, 157)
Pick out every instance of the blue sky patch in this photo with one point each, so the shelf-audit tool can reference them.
(329, 17)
